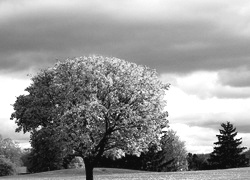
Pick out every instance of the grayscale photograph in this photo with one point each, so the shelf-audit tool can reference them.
(125, 89)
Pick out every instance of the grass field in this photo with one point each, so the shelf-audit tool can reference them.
(120, 174)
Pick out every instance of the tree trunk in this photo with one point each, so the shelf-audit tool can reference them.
(89, 169)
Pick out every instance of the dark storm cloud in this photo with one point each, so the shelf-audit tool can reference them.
(36, 37)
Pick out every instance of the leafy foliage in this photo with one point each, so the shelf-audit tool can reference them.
(10, 150)
(47, 151)
(96, 105)
(171, 157)
(6, 167)
(227, 152)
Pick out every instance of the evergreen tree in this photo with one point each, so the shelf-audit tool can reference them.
(227, 152)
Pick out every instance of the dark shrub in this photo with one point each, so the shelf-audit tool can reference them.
(6, 167)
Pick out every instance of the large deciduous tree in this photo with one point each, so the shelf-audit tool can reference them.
(228, 152)
(97, 105)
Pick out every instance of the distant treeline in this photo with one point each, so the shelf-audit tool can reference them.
(147, 162)
(201, 161)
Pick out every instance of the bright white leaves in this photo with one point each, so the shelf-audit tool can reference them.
(108, 104)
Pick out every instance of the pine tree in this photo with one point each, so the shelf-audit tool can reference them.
(227, 152)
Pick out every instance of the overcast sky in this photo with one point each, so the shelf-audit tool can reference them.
(201, 47)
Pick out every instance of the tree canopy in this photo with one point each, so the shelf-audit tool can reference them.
(228, 152)
(97, 105)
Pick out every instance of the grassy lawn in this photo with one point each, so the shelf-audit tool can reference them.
(120, 174)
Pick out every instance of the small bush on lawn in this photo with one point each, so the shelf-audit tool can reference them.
(6, 167)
